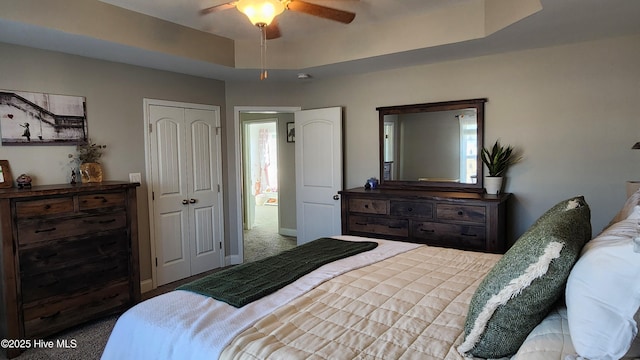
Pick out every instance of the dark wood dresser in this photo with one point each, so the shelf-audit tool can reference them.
(69, 255)
(462, 220)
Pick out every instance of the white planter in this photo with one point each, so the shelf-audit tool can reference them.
(493, 184)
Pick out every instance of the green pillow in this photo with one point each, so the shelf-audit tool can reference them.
(526, 282)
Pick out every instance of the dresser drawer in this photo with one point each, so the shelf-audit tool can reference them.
(91, 275)
(45, 319)
(450, 235)
(379, 225)
(44, 230)
(55, 255)
(467, 213)
(51, 206)
(368, 206)
(99, 201)
(413, 209)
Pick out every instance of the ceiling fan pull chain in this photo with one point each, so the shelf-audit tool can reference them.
(263, 51)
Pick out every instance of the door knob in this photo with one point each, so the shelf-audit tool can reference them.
(336, 197)
(193, 201)
(185, 202)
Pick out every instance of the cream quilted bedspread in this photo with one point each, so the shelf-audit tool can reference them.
(410, 306)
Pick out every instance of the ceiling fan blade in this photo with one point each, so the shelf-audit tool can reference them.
(342, 16)
(273, 30)
(217, 8)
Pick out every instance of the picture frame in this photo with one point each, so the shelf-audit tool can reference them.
(6, 179)
(31, 118)
(291, 132)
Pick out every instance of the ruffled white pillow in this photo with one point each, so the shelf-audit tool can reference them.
(603, 292)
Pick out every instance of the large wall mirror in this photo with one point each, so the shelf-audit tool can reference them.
(432, 146)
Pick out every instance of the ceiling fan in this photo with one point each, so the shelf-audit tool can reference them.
(262, 13)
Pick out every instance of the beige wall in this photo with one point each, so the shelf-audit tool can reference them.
(572, 109)
(114, 96)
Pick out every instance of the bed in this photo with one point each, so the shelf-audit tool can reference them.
(409, 301)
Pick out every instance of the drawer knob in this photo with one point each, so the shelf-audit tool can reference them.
(111, 296)
(427, 230)
(50, 316)
(366, 206)
(410, 209)
(460, 213)
(113, 268)
(50, 255)
(99, 221)
(47, 207)
(45, 230)
(54, 282)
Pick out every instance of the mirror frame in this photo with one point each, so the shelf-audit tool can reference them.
(477, 104)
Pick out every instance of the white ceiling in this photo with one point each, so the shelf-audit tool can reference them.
(559, 22)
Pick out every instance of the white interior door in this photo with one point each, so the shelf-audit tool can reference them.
(185, 172)
(318, 173)
(169, 170)
(205, 213)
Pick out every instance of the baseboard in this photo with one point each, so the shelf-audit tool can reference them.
(288, 232)
(146, 285)
(232, 260)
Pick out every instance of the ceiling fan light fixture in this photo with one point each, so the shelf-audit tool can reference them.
(260, 11)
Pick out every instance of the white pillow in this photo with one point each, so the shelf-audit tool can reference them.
(549, 340)
(603, 292)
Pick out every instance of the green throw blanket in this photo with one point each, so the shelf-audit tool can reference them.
(248, 282)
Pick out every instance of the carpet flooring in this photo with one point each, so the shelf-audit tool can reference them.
(91, 338)
(263, 239)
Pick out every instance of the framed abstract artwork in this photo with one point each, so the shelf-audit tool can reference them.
(28, 118)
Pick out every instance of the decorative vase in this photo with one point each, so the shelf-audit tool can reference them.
(493, 184)
(90, 172)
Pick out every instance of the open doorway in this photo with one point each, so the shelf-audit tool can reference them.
(268, 186)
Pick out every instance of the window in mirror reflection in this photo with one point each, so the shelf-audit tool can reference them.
(468, 146)
(431, 146)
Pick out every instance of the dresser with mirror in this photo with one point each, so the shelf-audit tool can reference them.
(430, 187)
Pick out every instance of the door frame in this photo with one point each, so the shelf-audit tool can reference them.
(237, 133)
(148, 171)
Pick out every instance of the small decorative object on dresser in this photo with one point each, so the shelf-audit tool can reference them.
(6, 180)
(69, 255)
(88, 159)
(24, 181)
(497, 161)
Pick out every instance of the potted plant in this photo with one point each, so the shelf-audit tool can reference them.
(497, 160)
(87, 157)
